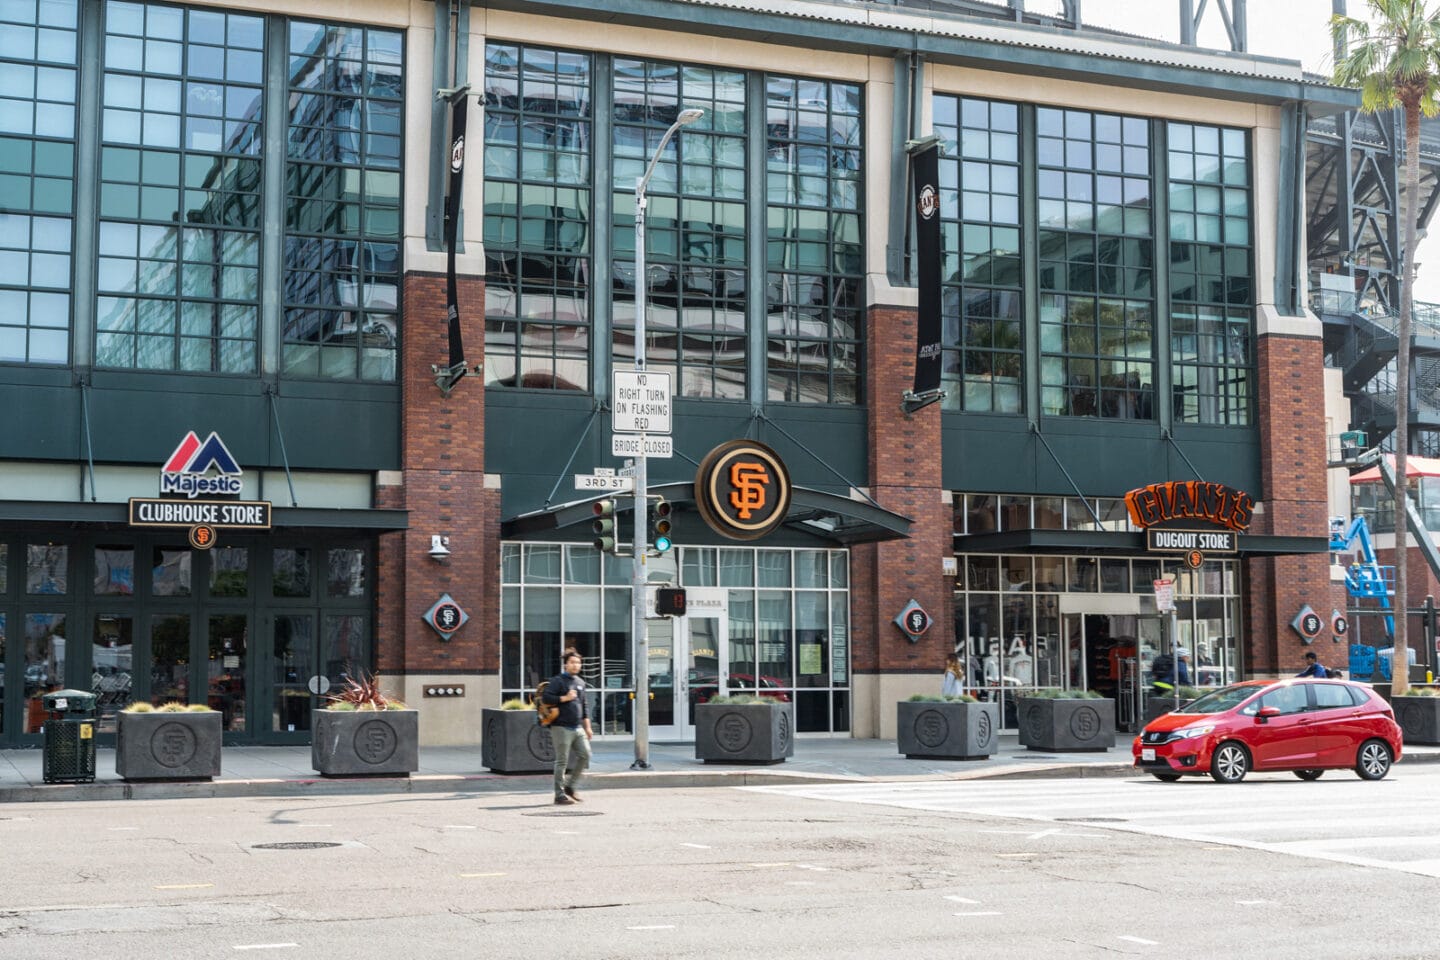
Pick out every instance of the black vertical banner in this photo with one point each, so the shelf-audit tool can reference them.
(458, 111)
(925, 172)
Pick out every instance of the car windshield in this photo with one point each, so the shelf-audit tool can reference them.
(1226, 698)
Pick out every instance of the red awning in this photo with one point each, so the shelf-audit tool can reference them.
(1414, 467)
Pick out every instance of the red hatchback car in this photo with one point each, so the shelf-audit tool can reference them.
(1307, 726)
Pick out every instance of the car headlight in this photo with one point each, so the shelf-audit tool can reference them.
(1199, 730)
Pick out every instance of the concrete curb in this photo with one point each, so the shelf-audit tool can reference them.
(539, 783)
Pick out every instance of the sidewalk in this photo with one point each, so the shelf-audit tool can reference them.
(286, 771)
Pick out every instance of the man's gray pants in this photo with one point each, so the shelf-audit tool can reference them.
(572, 749)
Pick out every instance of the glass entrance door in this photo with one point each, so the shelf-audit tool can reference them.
(698, 665)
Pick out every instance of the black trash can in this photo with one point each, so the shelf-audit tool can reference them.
(69, 736)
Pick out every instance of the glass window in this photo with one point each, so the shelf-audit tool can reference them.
(697, 271)
(697, 566)
(227, 668)
(537, 218)
(1331, 696)
(37, 176)
(170, 572)
(1211, 285)
(45, 635)
(345, 572)
(1097, 253)
(814, 285)
(980, 237)
(170, 659)
(1291, 699)
(115, 570)
(180, 172)
(4, 568)
(112, 648)
(342, 261)
(290, 576)
(46, 569)
(229, 572)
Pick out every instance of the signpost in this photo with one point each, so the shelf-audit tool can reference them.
(637, 445)
(642, 402)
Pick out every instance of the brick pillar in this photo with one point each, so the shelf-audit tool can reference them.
(443, 487)
(905, 476)
(1291, 408)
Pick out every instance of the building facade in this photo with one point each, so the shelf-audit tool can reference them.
(227, 220)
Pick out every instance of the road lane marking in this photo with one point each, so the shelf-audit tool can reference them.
(809, 866)
(1251, 903)
(468, 875)
(959, 899)
(122, 828)
(697, 846)
(980, 913)
(1142, 941)
(783, 863)
(460, 826)
(263, 946)
(182, 886)
(654, 926)
(799, 883)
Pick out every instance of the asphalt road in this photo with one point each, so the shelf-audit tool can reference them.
(1043, 869)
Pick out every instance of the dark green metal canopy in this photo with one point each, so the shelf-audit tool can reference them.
(826, 515)
(1116, 544)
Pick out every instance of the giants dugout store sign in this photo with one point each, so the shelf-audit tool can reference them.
(742, 490)
(1190, 517)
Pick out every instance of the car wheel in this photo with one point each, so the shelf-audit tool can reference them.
(1309, 774)
(1374, 759)
(1229, 763)
(1166, 777)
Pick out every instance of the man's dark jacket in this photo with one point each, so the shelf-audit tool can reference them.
(574, 711)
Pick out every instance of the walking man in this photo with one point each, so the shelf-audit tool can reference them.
(570, 733)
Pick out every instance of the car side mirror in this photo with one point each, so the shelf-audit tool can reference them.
(1266, 713)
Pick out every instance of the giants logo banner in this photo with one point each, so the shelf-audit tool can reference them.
(458, 110)
(925, 171)
(742, 490)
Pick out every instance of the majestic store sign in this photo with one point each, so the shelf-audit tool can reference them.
(1190, 517)
(193, 470)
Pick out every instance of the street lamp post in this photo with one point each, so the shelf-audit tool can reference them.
(642, 493)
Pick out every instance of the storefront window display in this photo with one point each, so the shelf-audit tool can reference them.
(787, 617)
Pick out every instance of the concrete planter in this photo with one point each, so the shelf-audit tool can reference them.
(744, 732)
(167, 746)
(946, 730)
(1067, 725)
(360, 743)
(1157, 707)
(1419, 718)
(512, 741)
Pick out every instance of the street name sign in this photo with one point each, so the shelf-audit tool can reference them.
(595, 481)
(642, 402)
(629, 445)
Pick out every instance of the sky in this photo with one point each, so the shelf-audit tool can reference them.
(1292, 29)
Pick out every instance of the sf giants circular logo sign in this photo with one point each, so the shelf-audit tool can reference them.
(742, 490)
(928, 203)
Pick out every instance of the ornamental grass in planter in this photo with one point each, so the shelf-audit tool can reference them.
(174, 741)
(744, 728)
(1417, 711)
(1157, 706)
(946, 728)
(513, 741)
(360, 732)
(1058, 720)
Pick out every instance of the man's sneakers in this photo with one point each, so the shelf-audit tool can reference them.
(564, 800)
(574, 797)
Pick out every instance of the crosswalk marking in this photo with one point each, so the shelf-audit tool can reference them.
(1340, 818)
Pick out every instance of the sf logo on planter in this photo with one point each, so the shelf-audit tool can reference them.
(742, 490)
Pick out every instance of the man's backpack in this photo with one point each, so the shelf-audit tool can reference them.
(545, 712)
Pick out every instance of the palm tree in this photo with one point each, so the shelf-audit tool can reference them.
(1394, 59)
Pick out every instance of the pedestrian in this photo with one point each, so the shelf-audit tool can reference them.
(1313, 667)
(1168, 672)
(570, 733)
(952, 683)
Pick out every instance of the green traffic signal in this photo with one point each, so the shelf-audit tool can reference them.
(660, 526)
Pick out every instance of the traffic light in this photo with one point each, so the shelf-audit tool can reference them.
(607, 538)
(660, 525)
